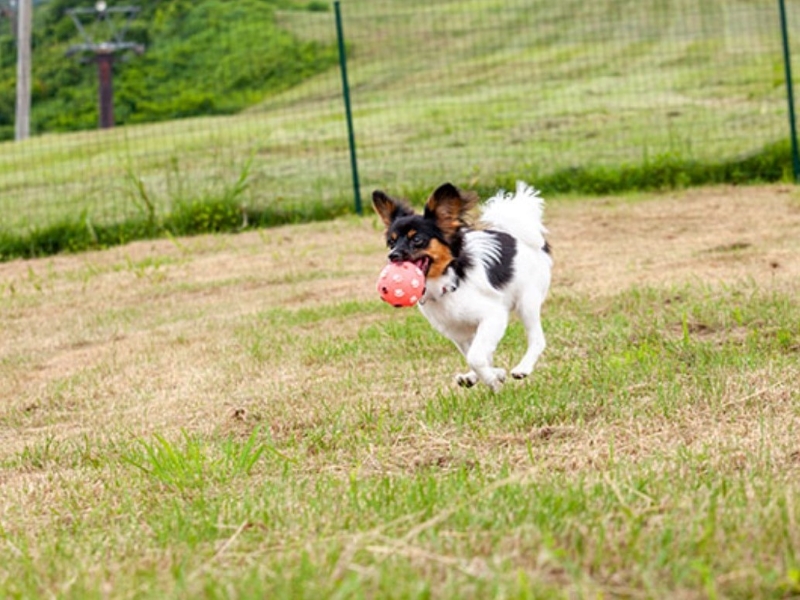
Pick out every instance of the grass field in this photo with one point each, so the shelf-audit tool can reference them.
(479, 92)
(241, 417)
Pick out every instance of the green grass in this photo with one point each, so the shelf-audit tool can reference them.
(652, 454)
(571, 96)
(226, 212)
(188, 218)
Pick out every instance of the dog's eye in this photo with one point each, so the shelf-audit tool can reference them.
(418, 241)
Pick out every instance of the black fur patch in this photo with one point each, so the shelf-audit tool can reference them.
(404, 247)
(546, 248)
(462, 260)
(500, 267)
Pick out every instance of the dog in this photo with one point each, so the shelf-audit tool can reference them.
(476, 274)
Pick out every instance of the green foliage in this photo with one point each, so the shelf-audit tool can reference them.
(221, 212)
(216, 215)
(199, 60)
(202, 58)
(772, 163)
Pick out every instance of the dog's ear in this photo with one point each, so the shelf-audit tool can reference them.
(449, 207)
(388, 208)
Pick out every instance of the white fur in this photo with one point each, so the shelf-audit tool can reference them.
(519, 214)
(474, 314)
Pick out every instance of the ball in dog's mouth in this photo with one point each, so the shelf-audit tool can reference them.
(401, 284)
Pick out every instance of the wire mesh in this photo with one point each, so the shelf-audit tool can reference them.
(469, 91)
(472, 90)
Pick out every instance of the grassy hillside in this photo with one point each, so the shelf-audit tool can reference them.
(572, 96)
(202, 58)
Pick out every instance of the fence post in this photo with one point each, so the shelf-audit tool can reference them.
(787, 66)
(347, 109)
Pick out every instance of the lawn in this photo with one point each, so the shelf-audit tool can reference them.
(239, 416)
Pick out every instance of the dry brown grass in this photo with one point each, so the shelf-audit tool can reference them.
(140, 327)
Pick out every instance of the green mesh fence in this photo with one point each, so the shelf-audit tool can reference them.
(473, 91)
(467, 91)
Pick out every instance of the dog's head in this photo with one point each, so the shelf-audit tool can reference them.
(431, 240)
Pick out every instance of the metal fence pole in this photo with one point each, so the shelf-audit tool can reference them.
(349, 113)
(787, 66)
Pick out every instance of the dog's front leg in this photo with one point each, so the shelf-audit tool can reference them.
(469, 379)
(465, 379)
(481, 351)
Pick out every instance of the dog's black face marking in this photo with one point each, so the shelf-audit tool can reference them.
(433, 240)
(411, 238)
(499, 264)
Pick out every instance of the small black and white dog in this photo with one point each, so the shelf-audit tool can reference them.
(476, 274)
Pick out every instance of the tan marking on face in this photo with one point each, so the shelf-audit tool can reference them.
(440, 257)
(411, 233)
(393, 235)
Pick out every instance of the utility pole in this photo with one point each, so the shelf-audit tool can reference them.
(104, 53)
(23, 113)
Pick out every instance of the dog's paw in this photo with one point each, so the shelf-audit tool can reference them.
(467, 380)
(499, 379)
(519, 374)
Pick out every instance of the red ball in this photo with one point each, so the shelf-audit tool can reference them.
(401, 284)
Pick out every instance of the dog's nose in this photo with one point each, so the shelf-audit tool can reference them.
(398, 255)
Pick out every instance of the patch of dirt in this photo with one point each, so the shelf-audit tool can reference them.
(716, 235)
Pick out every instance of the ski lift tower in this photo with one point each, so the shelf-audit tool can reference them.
(103, 53)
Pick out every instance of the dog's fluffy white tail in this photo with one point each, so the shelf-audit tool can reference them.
(519, 214)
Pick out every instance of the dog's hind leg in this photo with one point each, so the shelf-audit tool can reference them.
(530, 314)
